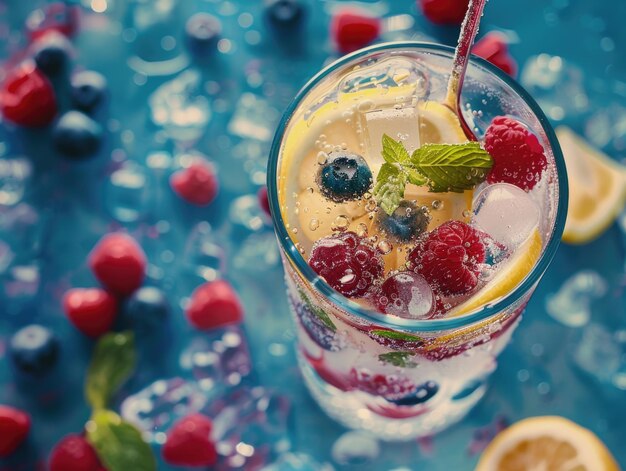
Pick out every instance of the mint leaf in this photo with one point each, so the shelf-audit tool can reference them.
(317, 312)
(394, 151)
(393, 335)
(389, 188)
(452, 167)
(112, 363)
(119, 444)
(444, 167)
(400, 359)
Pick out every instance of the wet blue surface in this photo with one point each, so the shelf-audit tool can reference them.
(67, 206)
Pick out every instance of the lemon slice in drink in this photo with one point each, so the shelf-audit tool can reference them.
(546, 443)
(508, 276)
(597, 188)
(439, 124)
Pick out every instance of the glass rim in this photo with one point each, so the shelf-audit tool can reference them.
(394, 322)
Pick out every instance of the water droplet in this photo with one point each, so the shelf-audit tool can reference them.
(384, 247)
(322, 158)
(314, 224)
(437, 205)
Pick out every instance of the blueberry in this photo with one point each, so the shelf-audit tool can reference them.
(202, 33)
(146, 308)
(51, 53)
(344, 177)
(423, 393)
(88, 90)
(76, 135)
(284, 15)
(406, 223)
(34, 349)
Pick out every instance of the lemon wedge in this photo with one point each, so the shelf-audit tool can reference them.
(546, 443)
(597, 188)
(507, 277)
(439, 124)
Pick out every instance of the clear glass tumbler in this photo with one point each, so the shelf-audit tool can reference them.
(400, 378)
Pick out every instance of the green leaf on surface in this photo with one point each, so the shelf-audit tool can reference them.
(112, 363)
(452, 167)
(389, 188)
(119, 444)
(394, 335)
(400, 359)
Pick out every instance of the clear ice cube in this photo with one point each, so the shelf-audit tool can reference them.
(126, 192)
(180, 107)
(355, 448)
(253, 118)
(204, 259)
(251, 428)
(400, 124)
(599, 353)
(245, 212)
(507, 213)
(571, 304)
(156, 407)
(257, 253)
(557, 86)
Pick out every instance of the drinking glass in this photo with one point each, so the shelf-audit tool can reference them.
(400, 378)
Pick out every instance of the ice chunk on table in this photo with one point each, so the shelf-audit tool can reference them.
(571, 305)
(507, 213)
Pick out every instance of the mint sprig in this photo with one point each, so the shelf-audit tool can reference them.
(112, 363)
(443, 167)
(119, 444)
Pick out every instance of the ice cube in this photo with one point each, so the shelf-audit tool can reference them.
(556, 85)
(507, 213)
(180, 107)
(204, 258)
(297, 462)
(355, 448)
(258, 253)
(606, 129)
(154, 408)
(400, 124)
(14, 174)
(250, 427)
(126, 192)
(245, 212)
(220, 359)
(253, 118)
(571, 305)
(599, 353)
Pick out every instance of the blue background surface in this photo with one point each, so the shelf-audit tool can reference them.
(74, 201)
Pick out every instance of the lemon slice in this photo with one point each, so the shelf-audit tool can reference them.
(507, 277)
(597, 188)
(546, 443)
(439, 124)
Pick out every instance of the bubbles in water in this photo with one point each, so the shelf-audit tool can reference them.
(340, 223)
(154, 408)
(180, 107)
(437, 205)
(571, 305)
(14, 174)
(355, 448)
(507, 213)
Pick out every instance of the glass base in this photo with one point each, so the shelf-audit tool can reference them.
(361, 411)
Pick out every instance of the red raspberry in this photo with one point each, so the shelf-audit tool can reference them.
(494, 48)
(405, 294)
(518, 157)
(214, 305)
(14, 427)
(74, 453)
(189, 442)
(119, 263)
(91, 310)
(450, 257)
(27, 97)
(196, 184)
(444, 12)
(348, 263)
(351, 31)
(390, 387)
